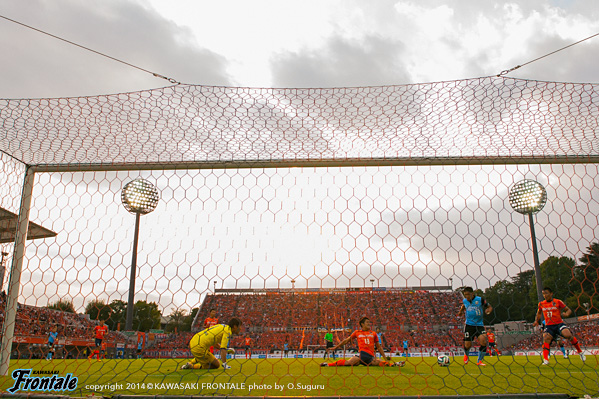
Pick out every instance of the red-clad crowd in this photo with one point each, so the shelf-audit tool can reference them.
(419, 309)
(273, 319)
(37, 322)
(422, 318)
(172, 341)
(587, 334)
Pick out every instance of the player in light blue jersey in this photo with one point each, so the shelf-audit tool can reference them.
(52, 340)
(380, 335)
(474, 307)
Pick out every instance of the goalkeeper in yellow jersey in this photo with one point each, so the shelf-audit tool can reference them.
(217, 336)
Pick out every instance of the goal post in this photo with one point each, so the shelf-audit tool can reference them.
(298, 211)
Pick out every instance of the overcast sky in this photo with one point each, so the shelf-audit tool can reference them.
(285, 44)
(273, 43)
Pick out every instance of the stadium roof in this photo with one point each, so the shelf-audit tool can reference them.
(491, 119)
(8, 228)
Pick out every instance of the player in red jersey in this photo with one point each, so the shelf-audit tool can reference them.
(367, 341)
(210, 321)
(552, 309)
(248, 346)
(100, 331)
(491, 344)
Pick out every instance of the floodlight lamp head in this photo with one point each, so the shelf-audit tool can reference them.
(527, 197)
(140, 196)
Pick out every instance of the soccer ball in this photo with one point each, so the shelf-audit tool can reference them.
(443, 361)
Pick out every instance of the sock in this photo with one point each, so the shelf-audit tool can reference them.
(481, 353)
(575, 344)
(340, 362)
(466, 351)
(561, 348)
(546, 351)
(384, 364)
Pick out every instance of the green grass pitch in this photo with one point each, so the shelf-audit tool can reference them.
(299, 377)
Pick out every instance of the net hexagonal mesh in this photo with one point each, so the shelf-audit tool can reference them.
(299, 212)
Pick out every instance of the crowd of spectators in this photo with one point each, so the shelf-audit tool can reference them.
(418, 310)
(298, 318)
(172, 341)
(587, 334)
(36, 322)
(424, 319)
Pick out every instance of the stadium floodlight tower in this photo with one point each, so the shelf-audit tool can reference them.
(529, 197)
(140, 197)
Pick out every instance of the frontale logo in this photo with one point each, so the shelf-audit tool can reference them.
(56, 383)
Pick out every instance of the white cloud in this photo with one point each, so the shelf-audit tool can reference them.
(341, 62)
(269, 43)
(40, 66)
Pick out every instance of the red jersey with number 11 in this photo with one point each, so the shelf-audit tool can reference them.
(366, 340)
(552, 311)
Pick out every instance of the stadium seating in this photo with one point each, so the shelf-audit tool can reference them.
(34, 324)
(587, 334)
(425, 319)
(421, 317)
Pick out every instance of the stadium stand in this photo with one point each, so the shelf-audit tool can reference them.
(426, 319)
(586, 332)
(75, 330)
(273, 317)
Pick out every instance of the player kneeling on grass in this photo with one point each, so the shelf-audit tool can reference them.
(367, 340)
(217, 336)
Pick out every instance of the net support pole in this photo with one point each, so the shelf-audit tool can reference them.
(130, 302)
(535, 254)
(8, 328)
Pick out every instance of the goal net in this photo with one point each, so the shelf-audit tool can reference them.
(299, 212)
